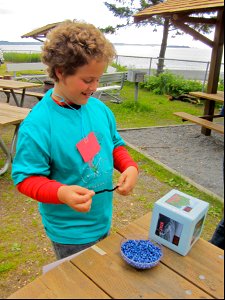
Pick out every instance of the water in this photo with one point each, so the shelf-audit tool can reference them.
(136, 50)
(171, 53)
(177, 58)
(21, 48)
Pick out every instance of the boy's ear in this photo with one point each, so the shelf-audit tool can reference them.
(58, 73)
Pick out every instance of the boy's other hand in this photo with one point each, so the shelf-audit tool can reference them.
(127, 181)
(77, 197)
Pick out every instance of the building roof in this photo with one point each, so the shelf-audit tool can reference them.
(41, 32)
(179, 12)
(171, 7)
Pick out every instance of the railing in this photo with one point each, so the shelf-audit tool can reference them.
(189, 69)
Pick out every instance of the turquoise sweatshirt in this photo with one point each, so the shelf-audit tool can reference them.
(46, 146)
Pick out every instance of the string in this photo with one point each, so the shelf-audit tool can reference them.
(79, 114)
(106, 190)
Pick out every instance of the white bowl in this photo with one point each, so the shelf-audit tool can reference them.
(141, 253)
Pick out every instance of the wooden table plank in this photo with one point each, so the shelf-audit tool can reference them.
(10, 114)
(9, 121)
(66, 282)
(209, 106)
(204, 264)
(13, 108)
(219, 97)
(100, 272)
(122, 281)
(200, 121)
(13, 84)
(33, 290)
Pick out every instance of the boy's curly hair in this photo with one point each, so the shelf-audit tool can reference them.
(73, 44)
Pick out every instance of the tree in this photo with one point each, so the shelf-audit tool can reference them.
(125, 9)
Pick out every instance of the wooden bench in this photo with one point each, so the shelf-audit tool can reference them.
(200, 121)
(38, 66)
(111, 84)
(38, 95)
(10, 115)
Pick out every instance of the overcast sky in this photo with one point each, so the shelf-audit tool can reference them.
(18, 17)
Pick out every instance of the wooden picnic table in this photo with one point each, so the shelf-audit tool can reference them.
(10, 115)
(206, 120)
(101, 273)
(11, 85)
(218, 97)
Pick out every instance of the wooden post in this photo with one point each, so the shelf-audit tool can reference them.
(214, 71)
(7, 77)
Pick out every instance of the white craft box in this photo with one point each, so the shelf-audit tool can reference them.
(178, 220)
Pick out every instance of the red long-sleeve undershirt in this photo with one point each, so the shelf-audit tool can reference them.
(45, 190)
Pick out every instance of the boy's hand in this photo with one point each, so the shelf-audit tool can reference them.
(77, 197)
(127, 181)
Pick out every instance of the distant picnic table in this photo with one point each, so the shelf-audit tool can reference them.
(206, 121)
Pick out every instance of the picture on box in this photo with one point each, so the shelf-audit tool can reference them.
(181, 202)
(168, 229)
(197, 230)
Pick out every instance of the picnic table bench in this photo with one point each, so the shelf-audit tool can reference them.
(110, 84)
(38, 95)
(206, 121)
(201, 121)
(10, 115)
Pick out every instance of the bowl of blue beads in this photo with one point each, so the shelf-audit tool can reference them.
(141, 253)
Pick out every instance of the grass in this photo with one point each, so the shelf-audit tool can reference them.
(16, 57)
(149, 110)
(153, 169)
(24, 248)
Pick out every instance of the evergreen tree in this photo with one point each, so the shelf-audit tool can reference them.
(125, 9)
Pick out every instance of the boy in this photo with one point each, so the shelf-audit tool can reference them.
(68, 145)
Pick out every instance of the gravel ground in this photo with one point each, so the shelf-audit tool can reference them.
(185, 150)
(181, 148)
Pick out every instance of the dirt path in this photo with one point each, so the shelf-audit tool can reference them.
(185, 150)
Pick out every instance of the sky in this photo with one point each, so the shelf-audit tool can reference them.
(18, 17)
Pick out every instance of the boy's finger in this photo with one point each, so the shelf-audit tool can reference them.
(82, 191)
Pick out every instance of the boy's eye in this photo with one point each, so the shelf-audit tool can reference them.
(90, 80)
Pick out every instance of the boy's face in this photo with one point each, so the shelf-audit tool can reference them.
(79, 87)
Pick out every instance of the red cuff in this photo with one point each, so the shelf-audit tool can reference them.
(122, 159)
(40, 188)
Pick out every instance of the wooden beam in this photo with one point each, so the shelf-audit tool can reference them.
(194, 20)
(217, 55)
(196, 35)
(214, 71)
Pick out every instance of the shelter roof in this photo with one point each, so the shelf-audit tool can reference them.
(179, 12)
(40, 33)
(171, 7)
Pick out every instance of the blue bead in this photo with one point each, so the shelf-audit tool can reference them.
(141, 253)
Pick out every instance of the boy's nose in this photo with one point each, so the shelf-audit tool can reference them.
(94, 85)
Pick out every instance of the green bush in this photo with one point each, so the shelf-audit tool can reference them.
(118, 67)
(221, 85)
(169, 84)
(17, 57)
